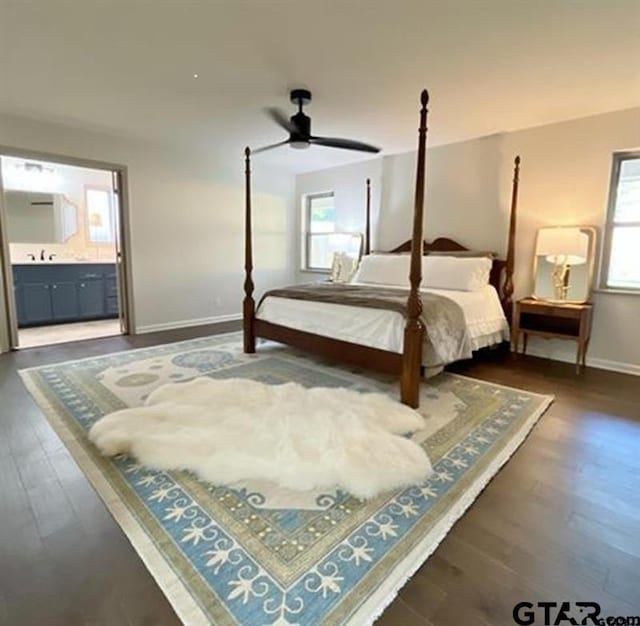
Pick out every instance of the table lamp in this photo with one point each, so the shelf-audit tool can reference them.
(564, 247)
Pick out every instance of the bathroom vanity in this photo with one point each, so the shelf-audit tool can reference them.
(49, 293)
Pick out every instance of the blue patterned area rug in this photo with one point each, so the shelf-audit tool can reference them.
(259, 555)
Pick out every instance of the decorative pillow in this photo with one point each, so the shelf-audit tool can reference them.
(459, 273)
(384, 269)
(343, 267)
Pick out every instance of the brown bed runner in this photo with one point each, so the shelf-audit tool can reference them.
(446, 338)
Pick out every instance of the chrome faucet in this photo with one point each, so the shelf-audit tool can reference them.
(42, 254)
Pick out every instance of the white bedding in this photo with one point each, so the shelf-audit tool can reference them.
(378, 328)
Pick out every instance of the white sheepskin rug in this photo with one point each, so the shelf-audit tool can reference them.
(227, 431)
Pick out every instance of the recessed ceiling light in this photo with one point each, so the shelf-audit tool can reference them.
(196, 75)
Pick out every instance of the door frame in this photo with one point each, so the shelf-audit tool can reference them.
(8, 317)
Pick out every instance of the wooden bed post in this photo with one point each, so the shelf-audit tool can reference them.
(507, 290)
(367, 226)
(248, 305)
(414, 329)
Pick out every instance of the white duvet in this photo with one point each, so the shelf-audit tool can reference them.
(377, 328)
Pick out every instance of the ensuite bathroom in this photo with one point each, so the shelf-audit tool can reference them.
(60, 233)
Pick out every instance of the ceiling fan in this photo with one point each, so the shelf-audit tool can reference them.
(299, 128)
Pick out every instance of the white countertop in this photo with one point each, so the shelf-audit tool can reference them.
(64, 262)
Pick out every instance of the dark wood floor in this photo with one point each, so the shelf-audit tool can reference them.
(560, 522)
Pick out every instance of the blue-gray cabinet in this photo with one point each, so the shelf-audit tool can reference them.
(64, 300)
(111, 287)
(37, 303)
(91, 298)
(58, 292)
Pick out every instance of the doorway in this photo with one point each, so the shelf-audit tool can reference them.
(64, 260)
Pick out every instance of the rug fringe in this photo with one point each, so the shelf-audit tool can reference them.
(173, 588)
(422, 552)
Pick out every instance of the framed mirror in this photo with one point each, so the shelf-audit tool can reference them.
(563, 264)
(37, 217)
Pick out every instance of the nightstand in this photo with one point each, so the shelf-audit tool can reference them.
(558, 321)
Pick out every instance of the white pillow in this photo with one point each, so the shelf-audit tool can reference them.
(384, 269)
(459, 273)
(438, 272)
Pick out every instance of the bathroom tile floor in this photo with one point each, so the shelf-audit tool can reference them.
(61, 333)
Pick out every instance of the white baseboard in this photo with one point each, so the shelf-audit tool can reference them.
(615, 366)
(603, 364)
(216, 319)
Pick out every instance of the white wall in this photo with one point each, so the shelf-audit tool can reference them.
(564, 180)
(186, 220)
(566, 171)
(349, 186)
(463, 196)
(27, 221)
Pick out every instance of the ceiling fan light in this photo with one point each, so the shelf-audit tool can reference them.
(298, 127)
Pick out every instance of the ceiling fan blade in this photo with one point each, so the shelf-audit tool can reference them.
(345, 144)
(270, 147)
(281, 119)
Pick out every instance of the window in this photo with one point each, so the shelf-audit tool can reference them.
(320, 225)
(100, 215)
(322, 239)
(621, 269)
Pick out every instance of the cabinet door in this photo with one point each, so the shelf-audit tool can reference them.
(111, 290)
(19, 298)
(64, 301)
(91, 298)
(37, 303)
(112, 309)
(111, 286)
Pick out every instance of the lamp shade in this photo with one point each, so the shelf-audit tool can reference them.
(563, 245)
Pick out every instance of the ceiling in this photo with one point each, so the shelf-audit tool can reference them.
(126, 67)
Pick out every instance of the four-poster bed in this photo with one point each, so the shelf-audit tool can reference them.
(407, 361)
